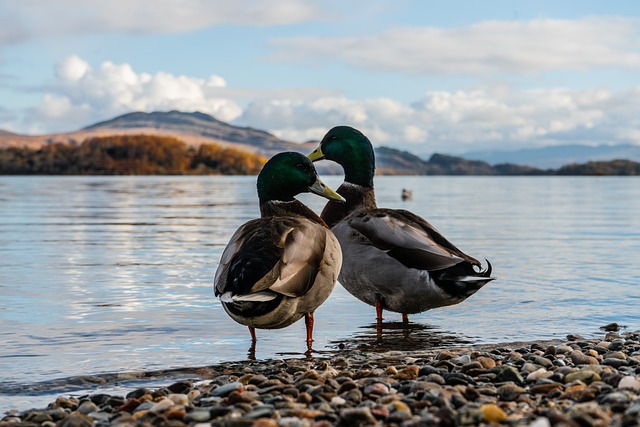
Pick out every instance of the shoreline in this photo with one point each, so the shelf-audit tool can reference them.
(571, 382)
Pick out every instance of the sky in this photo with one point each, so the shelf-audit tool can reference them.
(425, 76)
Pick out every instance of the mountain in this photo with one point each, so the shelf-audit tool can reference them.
(557, 156)
(197, 128)
(199, 124)
(193, 128)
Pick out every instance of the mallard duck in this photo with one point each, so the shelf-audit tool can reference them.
(392, 259)
(284, 265)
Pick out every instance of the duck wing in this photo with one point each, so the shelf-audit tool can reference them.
(408, 238)
(269, 256)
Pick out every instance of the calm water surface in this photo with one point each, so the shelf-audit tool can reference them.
(114, 274)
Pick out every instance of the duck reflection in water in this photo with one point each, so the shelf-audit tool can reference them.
(400, 336)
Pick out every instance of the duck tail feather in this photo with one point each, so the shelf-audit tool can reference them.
(263, 296)
(483, 274)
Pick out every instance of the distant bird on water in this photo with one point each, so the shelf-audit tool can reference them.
(284, 265)
(406, 194)
(392, 259)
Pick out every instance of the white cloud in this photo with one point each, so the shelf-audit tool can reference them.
(522, 47)
(455, 122)
(80, 94)
(443, 121)
(26, 19)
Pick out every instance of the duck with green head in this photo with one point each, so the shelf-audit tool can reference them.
(284, 265)
(392, 259)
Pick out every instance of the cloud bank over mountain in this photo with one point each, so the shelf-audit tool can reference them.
(497, 116)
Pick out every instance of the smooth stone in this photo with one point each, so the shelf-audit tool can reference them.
(264, 422)
(199, 416)
(391, 370)
(290, 422)
(179, 399)
(538, 374)
(67, 403)
(226, 389)
(615, 355)
(409, 373)
(510, 392)
(264, 411)
(162, 405)
(616, 345)
(357, 416)
(446, 355)
(542, 361)
(616, 363)
(545, 388)
(617, 397)
(180, 387)
(376, 388)
(579, 358)
(509, 373)
(77, 420)
(540, 422)
(468, 417)
(346, 386)
(462, 360)
(175, 413)
(37, 417)
(564, 348)
(590, 414)
(144, 406)
(458, 378)
(217, 411)
(629, 382)
(474, 366)
(584, 375)
(398, 417)
(380, 412)
(492, 413)
(486, 362)
(138, 393)
(338, 401)
(129, 406)
(435, 378)
(87, 407)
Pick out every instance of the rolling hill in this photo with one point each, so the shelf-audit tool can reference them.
(198, 128)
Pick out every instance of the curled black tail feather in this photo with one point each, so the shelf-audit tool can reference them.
(463, 280)
(487, 271)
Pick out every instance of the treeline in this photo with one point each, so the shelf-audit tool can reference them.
(613, 167)
(399, 162)
(129, 155)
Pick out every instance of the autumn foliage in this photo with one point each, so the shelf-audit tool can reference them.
(129, 155)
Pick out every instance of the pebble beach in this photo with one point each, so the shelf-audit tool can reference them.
(570, 382)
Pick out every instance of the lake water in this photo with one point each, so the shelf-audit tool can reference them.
(114, 274)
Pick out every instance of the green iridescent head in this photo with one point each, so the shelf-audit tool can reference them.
(351, 149)
(288, 174)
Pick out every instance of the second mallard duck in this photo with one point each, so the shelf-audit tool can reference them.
(392, 259)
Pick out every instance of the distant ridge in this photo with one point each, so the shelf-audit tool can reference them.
(557, 156)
